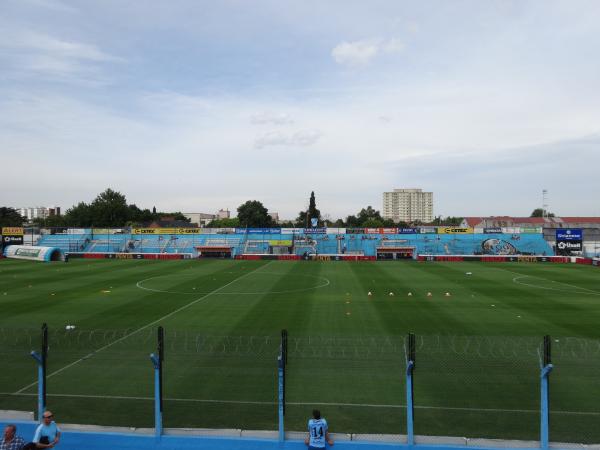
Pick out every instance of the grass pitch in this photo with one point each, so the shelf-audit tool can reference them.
(477, 372)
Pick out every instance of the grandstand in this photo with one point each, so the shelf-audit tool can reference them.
(282, 241)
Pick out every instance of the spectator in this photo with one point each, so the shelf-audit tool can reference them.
(318, 432)
(47, 434)
(10, 440)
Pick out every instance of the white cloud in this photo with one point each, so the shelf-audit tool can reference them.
(393, 46)
(268, 118)
(305, 138)
(26, 52)
(302, 138)
(50, 4)
(51, 46)
(361, 53)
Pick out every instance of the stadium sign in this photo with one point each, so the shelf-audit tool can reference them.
(280, 243)
(427, 230)
(569, 240)
(166, 231)
(11, 240)
(291, 230)
(569, 246)
(492, 230)
(454, 230)
(407, 230)
(12, 231)
(531, 230)
(355, 230)
(381, 230)
(10, 236)
(315, 230)
(258, 230)
(569, 234)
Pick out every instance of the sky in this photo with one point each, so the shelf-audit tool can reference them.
(201, 105)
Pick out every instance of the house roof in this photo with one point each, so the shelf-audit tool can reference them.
(473, 221)
(580, 219)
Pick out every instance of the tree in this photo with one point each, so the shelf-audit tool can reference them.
(177, 215)
(79, 215)
(372, 223)
(313, 212)
(369, 214)
(54, 221)
(110, 209)
(9, 217)
(233, 222)
(539, 212)
(352, 222)
(253, 214)
(138, 217)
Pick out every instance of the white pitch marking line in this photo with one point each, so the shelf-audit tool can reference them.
(140, 283)
(144, 327)
(362, 405)
(579, 290)
(516, 281)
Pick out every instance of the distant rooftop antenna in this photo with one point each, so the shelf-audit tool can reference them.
(545, 203)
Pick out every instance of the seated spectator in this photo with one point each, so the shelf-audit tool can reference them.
(10, 440)
(318, 432)
(47, 434)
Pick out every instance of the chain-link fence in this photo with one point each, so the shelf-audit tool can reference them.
(464, 386)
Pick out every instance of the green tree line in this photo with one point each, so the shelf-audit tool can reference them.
(110, 209)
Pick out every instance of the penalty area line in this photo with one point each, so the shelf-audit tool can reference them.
(166, 316)
(256, 402)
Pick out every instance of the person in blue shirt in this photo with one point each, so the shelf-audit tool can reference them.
(47, 434)
(318, 433)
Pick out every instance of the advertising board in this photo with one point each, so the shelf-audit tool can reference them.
(258, 230)
(315, 230)
(454, 230)
(381, 230)
(407, 230)
(569, 234)
(492, 230)
(166, 231)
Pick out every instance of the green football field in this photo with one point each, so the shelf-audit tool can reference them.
(477, 363)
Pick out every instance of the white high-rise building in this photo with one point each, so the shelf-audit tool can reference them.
(408, 205)
(39, 212)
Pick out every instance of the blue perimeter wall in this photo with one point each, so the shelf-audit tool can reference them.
(78, 440)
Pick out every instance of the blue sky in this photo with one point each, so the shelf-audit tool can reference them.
(196, 106)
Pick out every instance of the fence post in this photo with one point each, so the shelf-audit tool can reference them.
(545, 389)
(410, 367)
(157, 362)
(40, 358)
(281, 363)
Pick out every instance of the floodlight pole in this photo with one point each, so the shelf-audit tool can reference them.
(410, 367)
(546, 368)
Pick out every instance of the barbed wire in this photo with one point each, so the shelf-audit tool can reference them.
(383, 348)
